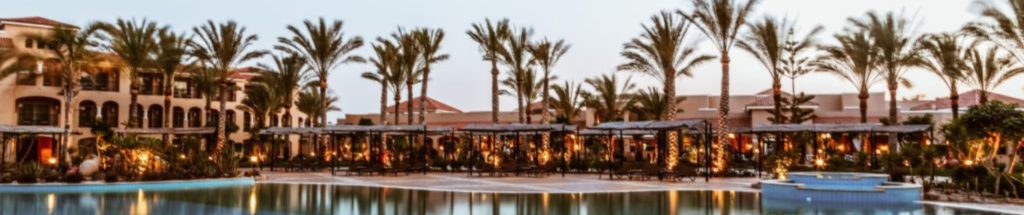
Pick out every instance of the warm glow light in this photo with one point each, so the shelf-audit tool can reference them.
(53, 161)
(969, 162)
(182, 156)
(732, 135)
(253, 159)
(819, 162)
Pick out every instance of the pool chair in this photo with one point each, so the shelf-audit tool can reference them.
(648, 171)
(682, 171)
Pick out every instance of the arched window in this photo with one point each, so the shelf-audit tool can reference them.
(87, 114)
(301, 122)
(139, 114)
(155, 116)
(212, 118)
(273, 120)
(38, 111)
(109, 113)
(286, 120)
(246, 121)
(195, 118)
(178, 120)
(230, 119)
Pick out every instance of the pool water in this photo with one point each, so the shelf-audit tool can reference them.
(332, 199)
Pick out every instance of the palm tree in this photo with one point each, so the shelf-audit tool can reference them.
(410, 64)
(385, 54)
(546, 54)
(529, 88)
(324, 48)
(516, 57)
(491, 36)
(892, 36)
(430, 45)
(171, 52)
(134, 41)
(223, 47)
(71, 52)
(721, 21)
(989, 69)
(942, 56)
(261, 100)
(9, 62)
(650, 104)
(310, 104)
(852, 60)
(567, 101)
(1005, 30)
(206, 84)
(661, 52)
(610, 98)
(766, 41)
(285, 78)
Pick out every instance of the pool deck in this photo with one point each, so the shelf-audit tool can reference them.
(555, 183)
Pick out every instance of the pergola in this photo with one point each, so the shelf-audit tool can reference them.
(819, 129)
(667, 130)
(377, 159)
(516, 130)
(18, 131)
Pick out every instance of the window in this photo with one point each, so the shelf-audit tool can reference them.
(273, 120)
(183, 88)
(179, 117)
(102, 81)
(195, 118)
(26, 77)
(212, 118)
(151, 84)
(246, 121)
(87, 114)
(38, 111)
(109, 114)
(231, 92)
(230, 118)
(155, 116)
(286, 120)
(51, 74)
(28, 43)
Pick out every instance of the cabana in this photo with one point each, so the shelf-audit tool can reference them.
(382, 143)
(48, 151)
(669, 145)
(845, 142)
(486, 144)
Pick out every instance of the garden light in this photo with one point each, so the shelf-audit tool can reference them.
(52, 161)
(253, 159)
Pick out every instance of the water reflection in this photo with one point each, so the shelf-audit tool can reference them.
(326, 199)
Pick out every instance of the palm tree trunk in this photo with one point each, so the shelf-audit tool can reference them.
(383, 102)
(519, 97)
(983, 96)
(954, 101)
(398, 99)
(408, 105)
(670, 95)
(863, 97)
(423, 95)
(221, 120)
(133, 114)
(723, 111)
(494, 91)
(167, 111)
(544, 118)
(893, 112)
(777, 100)
(69, 97)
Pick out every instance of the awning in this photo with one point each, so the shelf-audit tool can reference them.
(595, 132)
(516, 127)
(651, 125)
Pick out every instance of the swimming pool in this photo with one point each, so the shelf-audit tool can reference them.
(333, 199)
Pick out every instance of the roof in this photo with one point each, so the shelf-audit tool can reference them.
(37, 20)
(650, 125)
(6, 42)
(595, 132)
(433, 105)
(765, 99)
(858, 127)
(246, 73)
(30, 129)
(516, 127)
(967, 99)
(201, 130)
(348, 129)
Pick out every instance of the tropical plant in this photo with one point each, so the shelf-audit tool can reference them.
(610, 98)
(170, 54)
(517, 58)
(223, 47)
(661, 52)
(986, 70)
(284, 78)
(385, 55)
(206, 84)
(567, 101)
(941, 55)
(893, 37)
(134, 42)
(650, 104)
(260, 100)
(490, 37)
(1005, 30)
(409, 63)
(721, 21)
(852, 60)
(324, 47)
(429, 41)
(529, 89)
(979, 135)
(766, 41)
(546, 54)
(309, 103)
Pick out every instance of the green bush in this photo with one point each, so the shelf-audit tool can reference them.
(30, 173)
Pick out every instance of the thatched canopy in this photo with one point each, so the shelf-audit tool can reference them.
(692, 124)
(30, 129)
(595, 132)
(504, 128)
(856, 128)
(202, 130)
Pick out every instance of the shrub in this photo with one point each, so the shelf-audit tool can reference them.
(30, 173)
(74, 178)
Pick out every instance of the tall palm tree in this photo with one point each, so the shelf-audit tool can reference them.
(134, 41)
(285, 78)
(261, 100)
(853, 60)
(662, 53)
(529, 89)
(766, 41)
(223, 47)
(206, 81)
(650, 104)
(408, 62)
(893, 37)
(1005, 30)
(610, 98)
(516, 57)
(324, 47)
(721, 21)
(491, 36)
(385, 53)
(71, 52)
(986, 70)
(546, 54)
(429, 41)
(9, 61)
(567, 101)
(942, 56)
(170, 54)
(309, 103)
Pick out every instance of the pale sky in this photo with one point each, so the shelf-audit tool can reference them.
(596, 30)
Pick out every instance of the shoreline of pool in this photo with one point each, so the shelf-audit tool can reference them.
(99, 186)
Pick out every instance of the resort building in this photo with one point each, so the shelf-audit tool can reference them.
(34, 97)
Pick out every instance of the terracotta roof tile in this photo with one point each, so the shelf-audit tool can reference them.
(432, 106)
(36, 20)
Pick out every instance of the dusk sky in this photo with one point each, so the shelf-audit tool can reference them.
(596, 29)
